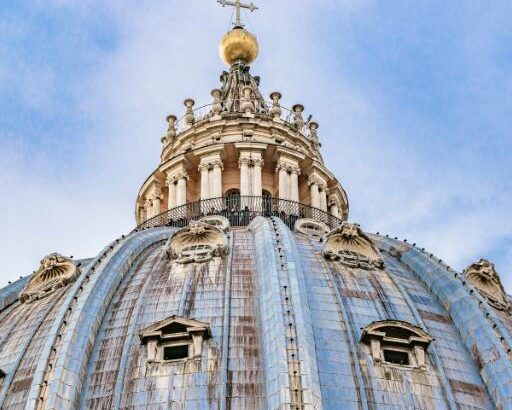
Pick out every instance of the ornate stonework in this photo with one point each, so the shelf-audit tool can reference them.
(483, 276)
(55, 272)
(199, 242)
(351, 246)
(217, 221)
(311, 227)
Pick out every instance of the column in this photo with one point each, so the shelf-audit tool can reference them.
(245, 187)
(148, 205)
(181, 195)
(205, 181)
(294, 184)
(156, 204)
(334, 207)
(142, 214)
(323, 198)
(257, 189)
(217, 179)
(171, 183)
(284, 188)
(294, 189)
(315, 194)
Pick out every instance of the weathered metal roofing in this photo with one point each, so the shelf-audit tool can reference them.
(285, 323)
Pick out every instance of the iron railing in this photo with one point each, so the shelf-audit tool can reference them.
(240, 211)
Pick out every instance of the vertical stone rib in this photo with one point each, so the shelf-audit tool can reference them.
(273, 332)
(432, 349)
(353, 342)
(226, 328)
(473, 326)
(310, 382)
(131, 332)
(6, 384)
(42, 366)
(84, 321)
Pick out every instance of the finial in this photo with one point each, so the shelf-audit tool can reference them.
(189, 115)
(298, 120)
(171, 129)
(217, 105)
(247, 105)
(238, 5)
(238, 45)
(276, 110)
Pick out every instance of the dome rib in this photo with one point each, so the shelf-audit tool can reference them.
(473, 327)
(81, 330)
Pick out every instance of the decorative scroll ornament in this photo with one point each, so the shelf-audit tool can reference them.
(351, 246)
(311, 227)
(483, 276)
(55, 272)
(199, 242)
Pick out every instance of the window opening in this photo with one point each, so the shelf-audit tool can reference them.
(396, 357)
(175, 352)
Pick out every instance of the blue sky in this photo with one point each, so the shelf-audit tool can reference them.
(413, 100)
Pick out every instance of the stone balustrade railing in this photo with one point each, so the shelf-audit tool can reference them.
(293, 117)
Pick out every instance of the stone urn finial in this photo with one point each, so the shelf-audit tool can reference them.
(189, 114)
(313, 131)
(276, 110)
(217, 105)
(247, 105)
(298, 120)
(171, 130)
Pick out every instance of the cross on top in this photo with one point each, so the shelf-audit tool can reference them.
(238, 6)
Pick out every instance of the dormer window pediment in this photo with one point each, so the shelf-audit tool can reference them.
(174, 338)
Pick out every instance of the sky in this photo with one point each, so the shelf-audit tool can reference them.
(414, 101)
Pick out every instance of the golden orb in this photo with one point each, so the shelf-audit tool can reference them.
(238, 44)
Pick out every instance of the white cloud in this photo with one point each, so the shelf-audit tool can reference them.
(167, 52)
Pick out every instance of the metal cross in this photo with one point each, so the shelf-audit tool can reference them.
(238, 6)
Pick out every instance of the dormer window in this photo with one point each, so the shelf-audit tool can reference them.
(174, 339)
(396, 343)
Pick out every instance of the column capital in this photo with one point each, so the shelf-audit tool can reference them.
(289, 168)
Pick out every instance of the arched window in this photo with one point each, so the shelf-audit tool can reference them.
(394, 342)
(267, 203)
(233, 199)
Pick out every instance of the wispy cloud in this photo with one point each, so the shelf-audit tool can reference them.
(413, 115)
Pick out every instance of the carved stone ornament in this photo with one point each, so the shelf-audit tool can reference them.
(351, 246)
(311, 227)
(55, 272)
(217, 221)
(483, 276)
(173, 332)
(199, 242)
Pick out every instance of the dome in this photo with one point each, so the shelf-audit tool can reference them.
(238, 45)
(245, 286)
(282, 317)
